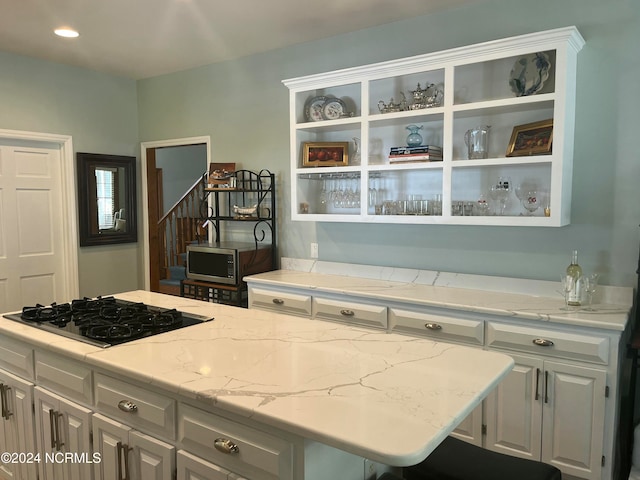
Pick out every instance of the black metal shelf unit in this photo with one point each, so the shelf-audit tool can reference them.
(243, 197)
(244, 189)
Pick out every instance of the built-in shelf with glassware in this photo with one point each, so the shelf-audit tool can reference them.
(513, 100)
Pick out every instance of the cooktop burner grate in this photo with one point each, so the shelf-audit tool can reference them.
(105, 321)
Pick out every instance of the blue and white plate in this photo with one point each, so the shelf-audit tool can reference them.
(529, 74)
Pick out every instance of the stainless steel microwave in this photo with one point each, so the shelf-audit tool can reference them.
(227, 262)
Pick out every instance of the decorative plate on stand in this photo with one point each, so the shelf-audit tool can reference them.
(529, 73)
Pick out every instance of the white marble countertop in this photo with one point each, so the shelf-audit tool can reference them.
(457, 292)
(390, 398)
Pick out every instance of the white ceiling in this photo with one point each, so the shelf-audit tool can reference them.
(145, 38)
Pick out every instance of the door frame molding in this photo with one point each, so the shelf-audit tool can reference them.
(144, 146)
(69, 247)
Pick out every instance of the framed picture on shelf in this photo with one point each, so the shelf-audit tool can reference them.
(531, 139)
(220, 173)
(325, 154)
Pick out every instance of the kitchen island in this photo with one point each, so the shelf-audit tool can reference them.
(280, 396)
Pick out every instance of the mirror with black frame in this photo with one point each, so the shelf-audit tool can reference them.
(106, 199)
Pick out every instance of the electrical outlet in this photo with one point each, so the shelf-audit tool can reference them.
(314, 250)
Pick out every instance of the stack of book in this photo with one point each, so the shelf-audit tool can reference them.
(422, 153)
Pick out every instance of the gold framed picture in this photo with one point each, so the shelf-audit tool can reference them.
(325, 154)
(531, 139)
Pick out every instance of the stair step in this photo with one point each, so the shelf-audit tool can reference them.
(177, 272)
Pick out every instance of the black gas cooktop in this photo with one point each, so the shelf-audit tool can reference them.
(105, 321)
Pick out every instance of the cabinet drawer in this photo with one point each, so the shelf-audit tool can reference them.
(259, 455)
(273, 300)
(437, 327)
(573, 346)
(16, 357)
(69, 378)
(350, 312)
(149, 411)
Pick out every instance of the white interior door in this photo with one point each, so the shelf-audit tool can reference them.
(35, 259)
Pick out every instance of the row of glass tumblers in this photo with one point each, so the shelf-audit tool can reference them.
(412, 205)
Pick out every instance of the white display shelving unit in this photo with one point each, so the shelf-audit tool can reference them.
(475, 82)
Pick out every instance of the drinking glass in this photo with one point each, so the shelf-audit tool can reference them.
(436, 204)
(567, 282)
(590, 285)
(482, 207)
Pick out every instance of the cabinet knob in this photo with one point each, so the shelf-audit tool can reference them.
(541, 342)
(225, 445)
(433, 326)
(347, 313)
(127, 406)
(278, 301)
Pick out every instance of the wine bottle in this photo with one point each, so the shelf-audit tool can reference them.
(575, 271)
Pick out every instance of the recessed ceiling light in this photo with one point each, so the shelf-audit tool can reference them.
(66, 32)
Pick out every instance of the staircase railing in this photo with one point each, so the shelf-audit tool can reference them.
(180, 226)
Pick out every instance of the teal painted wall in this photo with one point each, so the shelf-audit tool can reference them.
(243, 106)
(100, 113)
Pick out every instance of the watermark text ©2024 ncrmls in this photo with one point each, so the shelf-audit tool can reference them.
(50, 457)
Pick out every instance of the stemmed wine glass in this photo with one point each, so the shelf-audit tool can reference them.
(590, 285)
(568, 283)
(373, 193)
(500, 193)
(323, 196)
(523, 187)
(531, 201)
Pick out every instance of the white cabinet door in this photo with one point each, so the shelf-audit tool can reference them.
(17, 419)
(75, 431)
(127, 453)
(46, 404)
(550, 411)
(514, 410)
(191, 467)
(109, 437)
(63, 426)
(573, 419)
(6, 445)
(152, 459)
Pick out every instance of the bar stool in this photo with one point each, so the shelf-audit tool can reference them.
(455, 459)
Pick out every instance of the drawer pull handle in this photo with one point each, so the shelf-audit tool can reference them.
(52, 427)
(433, 326)
(278, 301)
(59, 443)
(122, 451)
(6, 412)
(347, 313)
(541, 342)
(225, 445)
(546, 387)
(127, 406)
